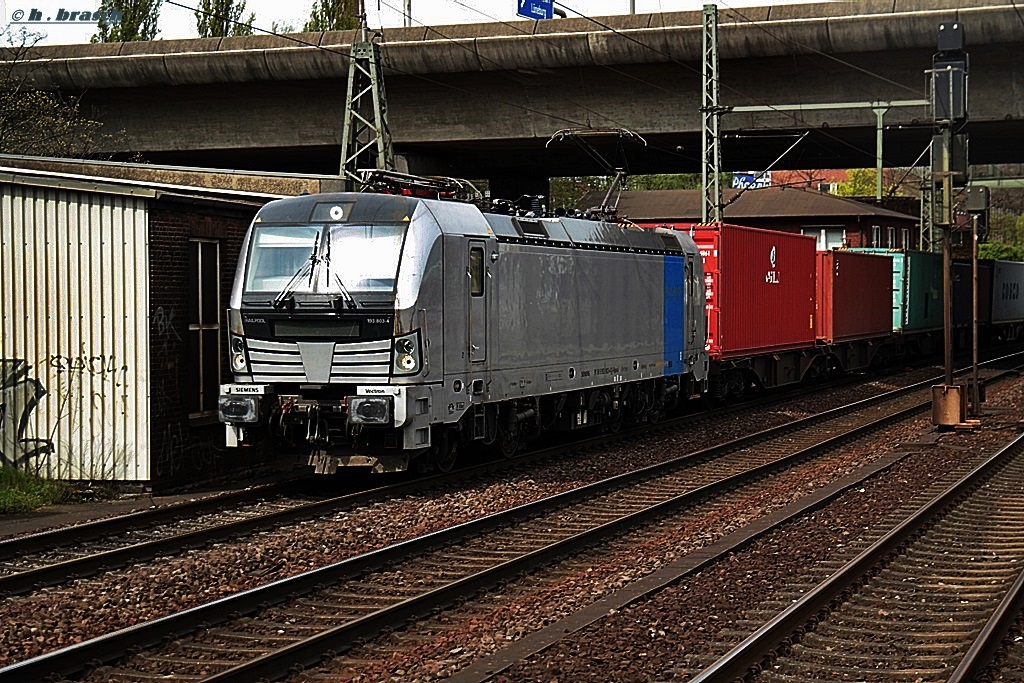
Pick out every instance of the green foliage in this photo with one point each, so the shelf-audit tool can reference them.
(43, 123)
(221, 18)
(138, 21)
(333, 15)
(567, 192)
(37, 122)
(1004, 252)
(22, 492)
(1006, 227)
(668, 181)
(861, 183)
(281, 27)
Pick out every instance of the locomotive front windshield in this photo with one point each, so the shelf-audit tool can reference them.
(335, 259)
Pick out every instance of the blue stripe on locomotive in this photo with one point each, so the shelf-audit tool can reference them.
(674, 312)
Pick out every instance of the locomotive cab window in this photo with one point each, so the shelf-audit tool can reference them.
(331, 260)
(476, 271)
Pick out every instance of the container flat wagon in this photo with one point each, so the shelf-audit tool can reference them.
(853, 317)
(760, 305)
(916, 289)
(854, 292)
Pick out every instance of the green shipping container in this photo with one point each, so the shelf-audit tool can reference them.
(916, 289)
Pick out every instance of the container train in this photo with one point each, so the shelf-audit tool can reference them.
(381, 331)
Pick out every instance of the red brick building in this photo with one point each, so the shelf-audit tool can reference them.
(835, 221)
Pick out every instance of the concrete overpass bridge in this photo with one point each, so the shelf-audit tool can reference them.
(481, 100)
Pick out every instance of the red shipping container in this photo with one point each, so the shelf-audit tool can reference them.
(760, 289)
(854, 296)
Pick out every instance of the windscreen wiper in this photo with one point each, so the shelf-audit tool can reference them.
(346, 295)
(287, 295)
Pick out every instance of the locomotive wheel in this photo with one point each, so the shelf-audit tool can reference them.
(446, 454)
(614, 423)
(508, 441)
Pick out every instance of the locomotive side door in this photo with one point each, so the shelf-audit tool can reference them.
(477, 278)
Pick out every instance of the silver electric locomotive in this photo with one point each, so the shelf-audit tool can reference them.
(378, 330)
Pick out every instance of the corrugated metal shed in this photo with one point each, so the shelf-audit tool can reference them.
(76, 325)
(74, 336)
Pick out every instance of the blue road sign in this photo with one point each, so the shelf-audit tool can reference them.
(536, 9)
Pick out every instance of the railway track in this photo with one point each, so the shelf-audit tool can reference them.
(263, 633)
(31, 562)
(929, 601)
(54, 557)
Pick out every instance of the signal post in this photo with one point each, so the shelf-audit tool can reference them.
(948, 77)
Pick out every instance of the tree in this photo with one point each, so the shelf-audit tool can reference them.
(279, 27)
(863, 182)
(333, 15)
(130, 20)
(669, 181)
(1003, 252)
(568, 192)
(39, 122)
(221, 18)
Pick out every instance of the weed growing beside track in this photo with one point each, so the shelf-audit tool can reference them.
(21, 492)
(24, 492)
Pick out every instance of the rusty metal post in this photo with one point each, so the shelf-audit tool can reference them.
(947, 252)
(975, 391)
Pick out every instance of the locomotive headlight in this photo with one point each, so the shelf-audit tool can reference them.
(369, 410)
(235, 409)
(407, 354)
(238, 359)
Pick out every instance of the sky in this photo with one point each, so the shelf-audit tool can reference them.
(176, 22)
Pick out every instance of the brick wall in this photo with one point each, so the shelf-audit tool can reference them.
(187, 451)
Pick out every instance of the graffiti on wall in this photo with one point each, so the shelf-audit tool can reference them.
(91, 410)
(20, 393)
(166, 350)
